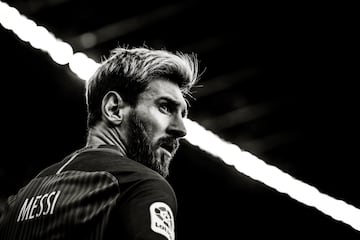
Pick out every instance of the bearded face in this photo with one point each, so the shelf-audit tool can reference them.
(154, 126)
(143, 148)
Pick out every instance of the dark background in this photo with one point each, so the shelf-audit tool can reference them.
(280, 81)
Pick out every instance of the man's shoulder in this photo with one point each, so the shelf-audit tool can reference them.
(125, 172)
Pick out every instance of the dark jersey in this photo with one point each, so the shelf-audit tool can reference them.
(92, 194)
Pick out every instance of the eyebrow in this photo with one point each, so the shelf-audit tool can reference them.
(176, 104)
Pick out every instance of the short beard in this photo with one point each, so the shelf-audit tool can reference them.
(140, 148)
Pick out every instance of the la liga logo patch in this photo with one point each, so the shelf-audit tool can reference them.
(162, 220)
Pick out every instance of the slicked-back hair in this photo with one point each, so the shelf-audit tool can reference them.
(128, 71)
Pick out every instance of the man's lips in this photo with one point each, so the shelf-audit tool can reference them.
(169, 146)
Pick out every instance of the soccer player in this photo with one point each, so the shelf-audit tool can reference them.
(115, 186)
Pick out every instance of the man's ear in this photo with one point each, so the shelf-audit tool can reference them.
(112, 108)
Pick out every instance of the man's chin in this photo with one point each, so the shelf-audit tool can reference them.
(162, 161)
(165, 155)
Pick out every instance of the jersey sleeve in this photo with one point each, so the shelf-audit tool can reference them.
(148, 211)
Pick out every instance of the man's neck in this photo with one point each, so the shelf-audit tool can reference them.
(103, 135)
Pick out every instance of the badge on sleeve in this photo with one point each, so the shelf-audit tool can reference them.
(162, 220)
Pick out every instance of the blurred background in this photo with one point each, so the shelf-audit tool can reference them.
(280, 81)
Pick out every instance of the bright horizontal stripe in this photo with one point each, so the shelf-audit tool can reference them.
(273, 177)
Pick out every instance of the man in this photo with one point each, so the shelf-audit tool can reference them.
(114, 187)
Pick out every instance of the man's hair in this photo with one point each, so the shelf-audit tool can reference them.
(128, 71)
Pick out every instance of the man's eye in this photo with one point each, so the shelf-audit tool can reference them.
(164, 108)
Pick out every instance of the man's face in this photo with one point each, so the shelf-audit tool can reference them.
(156, 124)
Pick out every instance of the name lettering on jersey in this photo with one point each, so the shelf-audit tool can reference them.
(162, 220)
(37, 206)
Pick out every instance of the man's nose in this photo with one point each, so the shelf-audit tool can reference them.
(177, 127)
